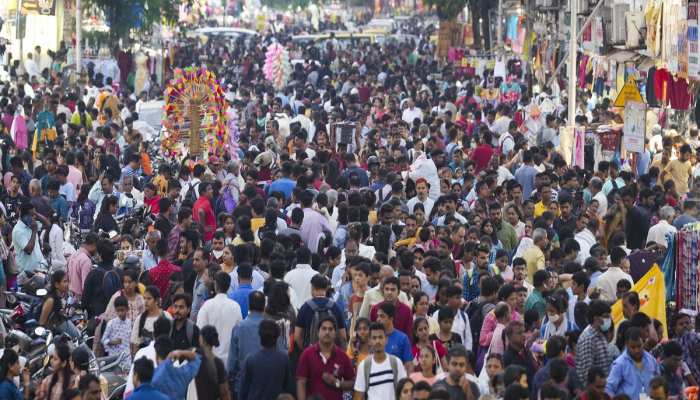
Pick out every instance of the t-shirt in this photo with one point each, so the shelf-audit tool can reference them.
(203, 203)
(455, 391)
(212, 373)
(680, 172)
(381, 378)
(398, 345)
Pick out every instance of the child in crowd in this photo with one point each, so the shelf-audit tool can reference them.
(118, 332)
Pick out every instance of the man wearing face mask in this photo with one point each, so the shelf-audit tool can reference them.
(592, 349)
(25, 238)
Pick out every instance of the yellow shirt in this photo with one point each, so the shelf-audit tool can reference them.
(256, 223)
(680, 172)
(540, 208)
(534, 258)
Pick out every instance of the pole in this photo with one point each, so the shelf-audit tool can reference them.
(499, 25)
(20, 34)
(572, 64)
(78, 38)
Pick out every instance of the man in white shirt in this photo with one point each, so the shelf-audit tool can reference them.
(657, 233)
(31, 66)
(411, 112)
(422, 188)
(300, 277)
(160, 327)
(596, 188)
(585, 236)
(607, 282)
(222, 313)
(376, 380)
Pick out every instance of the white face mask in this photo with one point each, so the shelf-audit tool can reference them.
(607, 323)
(553, 317)
(217, 253)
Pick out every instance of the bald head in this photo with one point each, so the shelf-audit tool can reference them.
(385, 271)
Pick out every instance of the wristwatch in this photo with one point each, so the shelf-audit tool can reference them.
(337, 383)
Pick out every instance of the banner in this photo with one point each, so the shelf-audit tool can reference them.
(652, 298)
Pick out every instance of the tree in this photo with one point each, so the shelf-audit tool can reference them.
(447, 9)
(124, 15)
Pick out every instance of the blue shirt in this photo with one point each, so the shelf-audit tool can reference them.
(8, 390)
(240, 296)
(525, 176)
(172, 381)
(626, 378)
(21, 234)
(60, 206)
(397, 344)
(147, 392)
(284, 185)
(245, 340)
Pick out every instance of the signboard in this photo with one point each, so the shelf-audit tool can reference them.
(629, 92)
(635, 126)
(345, 133)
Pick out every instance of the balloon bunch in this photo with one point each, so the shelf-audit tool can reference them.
(277, 68)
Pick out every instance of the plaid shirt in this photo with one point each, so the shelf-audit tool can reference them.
(592, 351)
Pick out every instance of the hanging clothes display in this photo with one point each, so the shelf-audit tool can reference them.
(681, 267)
(579, 147)
(678, 94)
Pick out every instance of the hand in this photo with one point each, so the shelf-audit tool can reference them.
(26, 377)
(329, 379)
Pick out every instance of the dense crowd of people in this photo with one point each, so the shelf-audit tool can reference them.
(442, 249)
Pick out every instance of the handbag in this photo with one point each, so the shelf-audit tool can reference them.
(439, 370)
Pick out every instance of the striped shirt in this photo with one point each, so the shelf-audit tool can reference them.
(592, 351)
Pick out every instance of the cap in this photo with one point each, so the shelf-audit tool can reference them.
(372, 160)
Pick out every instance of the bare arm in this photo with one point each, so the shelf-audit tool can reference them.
(301, 388)
(299, 337)
(45, 311)
(29, 248)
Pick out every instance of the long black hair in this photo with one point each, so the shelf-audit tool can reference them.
(63, 352)
(9, 358)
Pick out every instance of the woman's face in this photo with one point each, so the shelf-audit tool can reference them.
(426, 359)
(149, 301)
(512, 216)
(488, 229)
(528, 229)
(14, 369)
(56, 362)
(420, 216)
(406, 391)
(129, 285)
(493, 367)
(228, 256)
(62, 285)
(228, 225)
(422, 306)
(125, 245)
(363, 332)
(423, 331)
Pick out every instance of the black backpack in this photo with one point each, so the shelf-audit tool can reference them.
(319, 313)
(477, 312)
(191, 194)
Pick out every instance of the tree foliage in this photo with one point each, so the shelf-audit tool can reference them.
(447, 9)
(124, 15)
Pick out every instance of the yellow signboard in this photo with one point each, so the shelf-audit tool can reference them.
(629, 92)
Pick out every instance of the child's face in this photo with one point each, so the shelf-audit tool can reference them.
(121, 312)
(446, 325)
(126, 246)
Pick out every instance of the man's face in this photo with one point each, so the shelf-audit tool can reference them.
(391, 292)
(326, 332)
(458, 236)
(92, 392)
(50, 166)
(482, 259)
(106, 185)
(496, 215)
(181, 310)
(377, 338)
(382, 318)
(518, 336)
(360, 278)
(457, 367)
(422, 189)
(217, 244)
(410, 227)
(198, 261)
(351, 249)
(635, 349)
(519, 272)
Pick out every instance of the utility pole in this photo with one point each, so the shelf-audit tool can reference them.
(572, 65)
(78, 38)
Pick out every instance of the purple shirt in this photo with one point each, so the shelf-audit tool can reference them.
(311, 228)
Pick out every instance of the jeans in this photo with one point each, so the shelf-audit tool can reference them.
(68, 328)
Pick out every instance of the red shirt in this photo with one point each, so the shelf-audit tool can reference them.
(154, 203)
(403, 320)
(160, 275)
(204, 204)
(481, 156)
(312, 366)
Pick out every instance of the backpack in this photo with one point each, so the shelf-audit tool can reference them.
(191, 194)
(368, 368)
(319, 313)
(147, 336)
(476, 318)
(189, 330)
